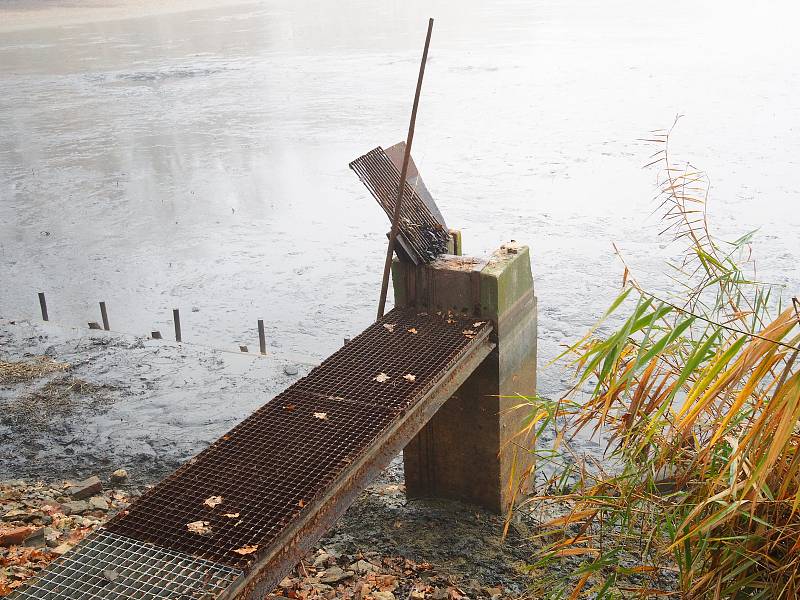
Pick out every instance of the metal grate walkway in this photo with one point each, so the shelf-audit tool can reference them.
(113, 567)
(232, 520)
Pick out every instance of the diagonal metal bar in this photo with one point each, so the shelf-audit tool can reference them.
(403, 173)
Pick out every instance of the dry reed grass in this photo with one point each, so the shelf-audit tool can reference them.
(698, 395)
(21, 371)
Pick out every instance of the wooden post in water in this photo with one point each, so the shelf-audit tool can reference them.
(43, 306)
(262, 339)
(104, 314)
(403, 172)
(176, 317)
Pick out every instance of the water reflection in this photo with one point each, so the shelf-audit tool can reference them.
(199, 158)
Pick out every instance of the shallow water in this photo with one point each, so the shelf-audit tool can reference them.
(198, 159)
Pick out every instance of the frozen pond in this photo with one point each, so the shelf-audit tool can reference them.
(198, 159)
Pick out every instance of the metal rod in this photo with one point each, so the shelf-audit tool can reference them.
(403, 172)
(43, 306)
(262, 340)
(104, 314)
(176, 317)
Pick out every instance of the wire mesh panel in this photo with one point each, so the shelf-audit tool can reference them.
(230, 502)
(113, 567)
(421, 235)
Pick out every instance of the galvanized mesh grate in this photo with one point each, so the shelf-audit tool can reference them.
(114, 567)
(287, 453)
(424, 236)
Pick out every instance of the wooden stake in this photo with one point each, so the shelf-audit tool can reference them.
(403, 172)
(43, 306)
(104, 314)
(176, 318)
(262, 340)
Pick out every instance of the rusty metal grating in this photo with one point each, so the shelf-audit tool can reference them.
(279, 460)
(266, 469)
(425, 342)
(422, 236)
(114, 567)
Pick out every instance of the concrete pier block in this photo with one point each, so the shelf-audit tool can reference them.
(468, 451)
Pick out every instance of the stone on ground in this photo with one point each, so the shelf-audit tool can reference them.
(86, 488)
(119, 476)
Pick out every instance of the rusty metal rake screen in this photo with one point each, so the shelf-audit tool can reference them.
(422, 235)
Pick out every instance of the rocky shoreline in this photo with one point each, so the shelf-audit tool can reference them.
(384, 548)
(40, 522)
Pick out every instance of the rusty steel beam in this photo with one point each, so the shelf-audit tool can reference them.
(403, 172)
(295, 541)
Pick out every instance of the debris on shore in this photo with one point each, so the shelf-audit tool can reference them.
(371, 576)
(376, 552)
(40, 522)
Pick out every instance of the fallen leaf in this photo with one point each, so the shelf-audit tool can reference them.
(468, 332)
(381, 377)
(412, 330)
(478, 323)
(450, 321)
(231, 515)
(577, 551)
(301, 503)
(323, 416)
(199, 527)
(213, 501)
(390, 327)
(290, 407)
(245, 550)
(410, 377)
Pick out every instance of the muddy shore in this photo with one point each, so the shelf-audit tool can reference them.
(122, 401)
